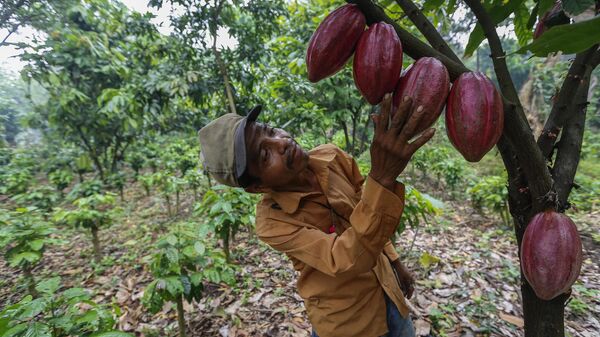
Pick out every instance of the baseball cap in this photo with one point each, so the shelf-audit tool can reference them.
(223, 146)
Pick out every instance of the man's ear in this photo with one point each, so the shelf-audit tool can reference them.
(256, 188)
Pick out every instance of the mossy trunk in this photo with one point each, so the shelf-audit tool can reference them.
(30, 281)
(181, 317)
(96, 242)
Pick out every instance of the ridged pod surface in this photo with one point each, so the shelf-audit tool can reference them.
(551, 254)
(332, 44)
(377, 62)
(428, 83)
(474, 115)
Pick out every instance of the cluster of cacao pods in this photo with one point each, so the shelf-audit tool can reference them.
(474, 113)
(551, 254)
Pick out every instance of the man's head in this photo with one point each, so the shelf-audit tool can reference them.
(240, 152)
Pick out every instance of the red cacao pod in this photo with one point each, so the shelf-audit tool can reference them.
(551, 254)
(427, 82)
(474, 115)
(377, 62)
(332, 44)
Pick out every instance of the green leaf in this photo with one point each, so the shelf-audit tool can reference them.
(544, 6)
(48, 286)
(569, 39)
(75, 292)
(427, 260)
(432, 4)
(523, 32)
(15, 330)
(36, 244)
(498, 13)
(112, 334)
(172, 239)
(38, 330)
(575, 7)
(24, 256)
(33, 308)
(200, 248)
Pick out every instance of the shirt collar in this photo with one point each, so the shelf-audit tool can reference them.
(318, 163)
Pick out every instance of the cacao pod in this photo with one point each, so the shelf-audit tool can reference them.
(554, 17)
(427, 82)
(332, 44)
(551, 254)
(474, 115)
(377, 62)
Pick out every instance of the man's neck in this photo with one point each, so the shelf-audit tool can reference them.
(306, 182)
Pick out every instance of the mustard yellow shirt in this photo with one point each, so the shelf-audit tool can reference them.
(339, 243)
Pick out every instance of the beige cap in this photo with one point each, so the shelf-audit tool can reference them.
(223, 146)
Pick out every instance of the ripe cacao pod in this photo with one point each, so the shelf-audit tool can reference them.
(427, 82)
(332, 44)
(474, 115)
(551, 254)
(377, 62)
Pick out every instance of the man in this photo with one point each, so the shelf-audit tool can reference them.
(316, 210)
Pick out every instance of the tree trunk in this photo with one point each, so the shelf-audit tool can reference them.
(226, 245)
(168, 199)
(30, 281)
(96, 242)
(181, 317)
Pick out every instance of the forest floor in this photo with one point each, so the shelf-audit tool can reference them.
(465, 264)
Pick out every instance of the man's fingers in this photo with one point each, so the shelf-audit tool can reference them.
(386, 106)
(408, 130)
(422, 139)
(401, 113)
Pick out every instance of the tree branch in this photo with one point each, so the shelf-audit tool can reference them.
(411, 45)
(10, 32)
(569, 147)
(427, 29)
(560, 110)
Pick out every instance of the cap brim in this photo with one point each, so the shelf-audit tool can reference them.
(240, 140)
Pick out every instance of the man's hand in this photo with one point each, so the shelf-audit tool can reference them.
(405, 277)
(391, 150)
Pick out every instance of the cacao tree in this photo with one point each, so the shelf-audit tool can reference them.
(540, 172)
(59, 313)
(24, 236)
(182, 263)
(93, 213)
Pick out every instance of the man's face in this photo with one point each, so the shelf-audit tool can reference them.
(273, 156)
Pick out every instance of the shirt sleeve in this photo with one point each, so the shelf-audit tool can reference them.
(390, 251)
(373, 221)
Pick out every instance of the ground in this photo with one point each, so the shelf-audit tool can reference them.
(465, 264)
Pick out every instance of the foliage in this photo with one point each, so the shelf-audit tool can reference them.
(93, 213)
(60, 179)
(418, 207)
(182, 262)
(55, 313)
(101, 67)
(42, 197)
(490, 192)
(85, 189)
(24, 235)
(226, 210)
(443, 163)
